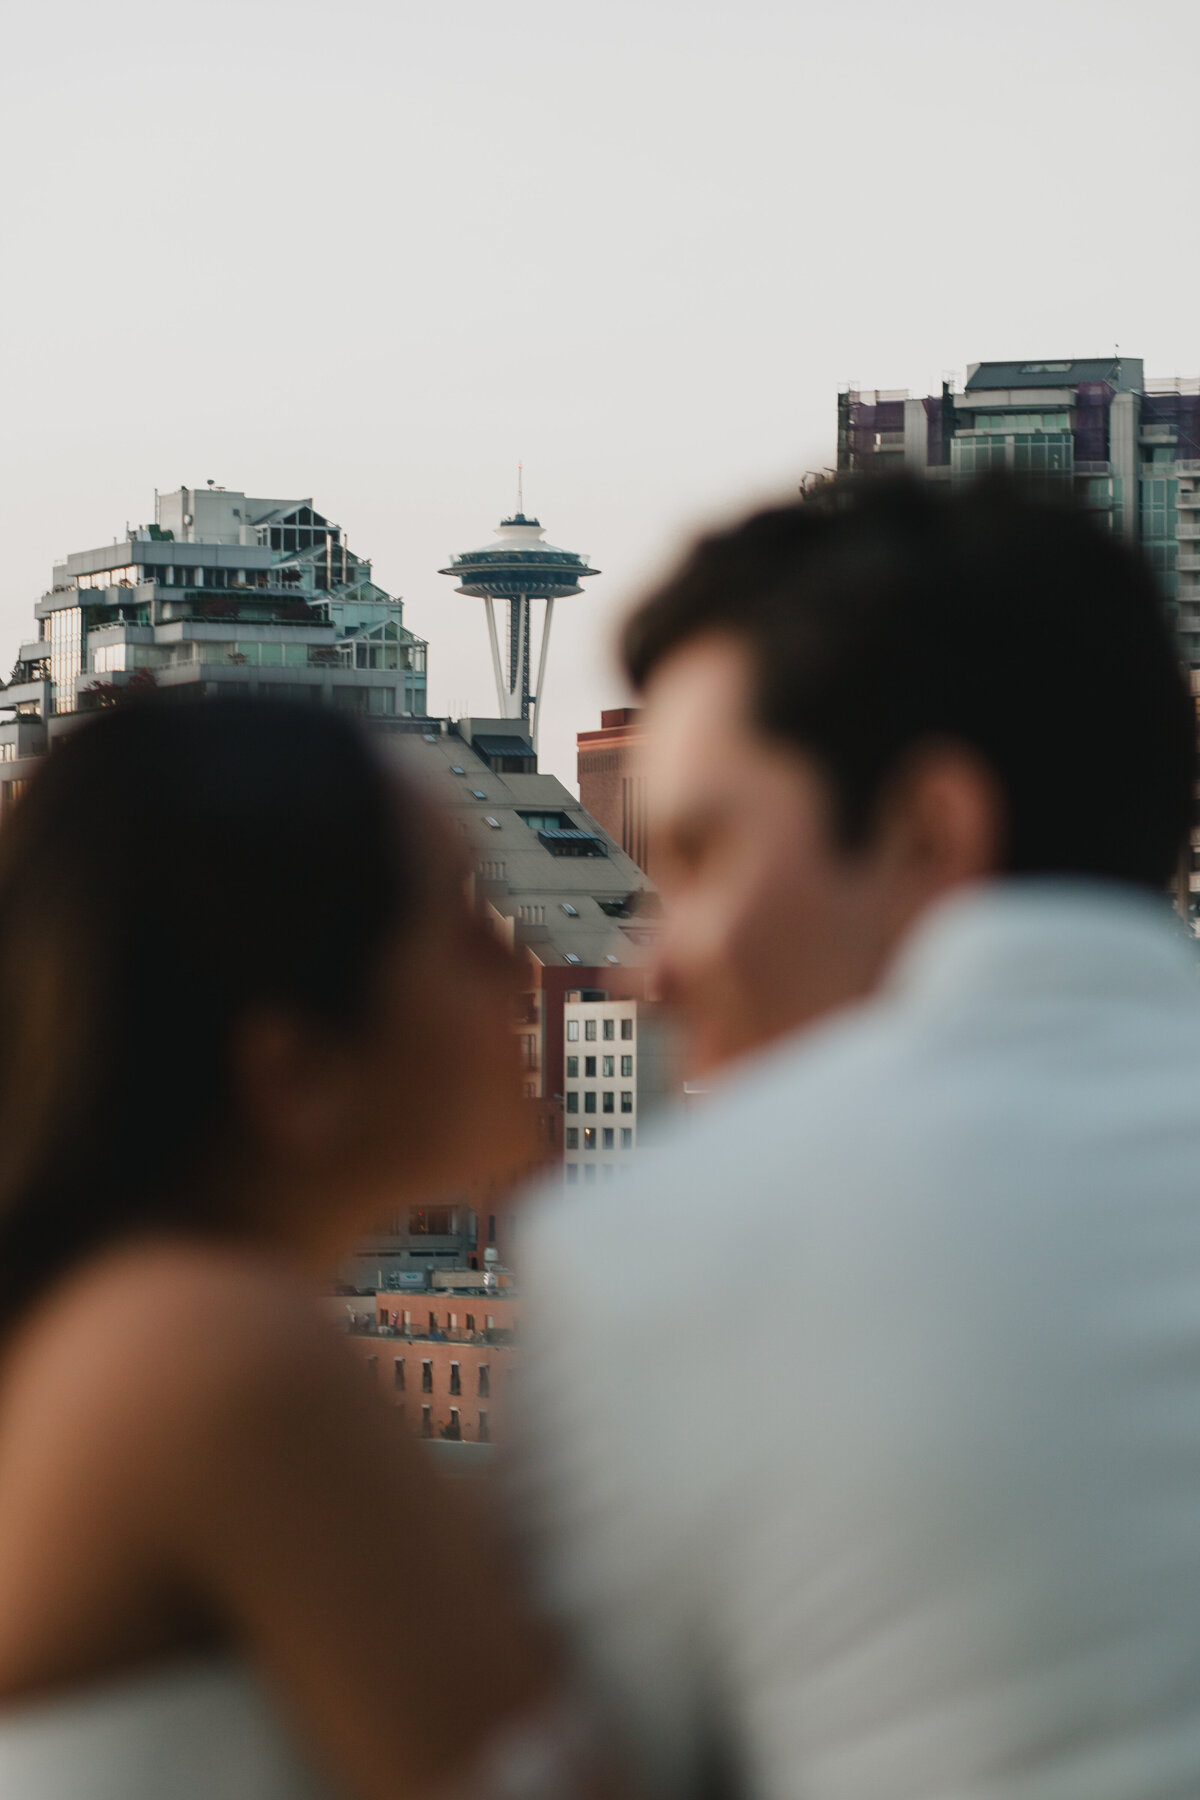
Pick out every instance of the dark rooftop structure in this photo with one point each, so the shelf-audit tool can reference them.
(1122, 373)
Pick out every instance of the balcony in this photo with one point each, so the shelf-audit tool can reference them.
(1188, 529)
(1187, 562)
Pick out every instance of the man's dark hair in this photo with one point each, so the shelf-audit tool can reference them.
(887, 614)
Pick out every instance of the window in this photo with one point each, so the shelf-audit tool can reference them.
(572, 1137)
(627, 1066)
(456, 770)
(572, 1068)
(626, 1030)
(572, 1174)
(427, 1421)
(609, 1030)
(626, 1100)
(485, 1430)
(398, 1374)
(589, 1067)
(494, 823)
(572, 912)
(491, 1228)
(607, 1143)
(608, 1100)
(606, 1068)
(626, 1138)
(572, 1031)
(589, 1102)
(589, 1137)
(570, 957)
(478, 794)
(485, 1382)
(471, 1322)
(427, 1378)
(609, 1171)
(431, 1221)
(455, 1378)
(589, 1171)
(589, 1030)
(573, 1101)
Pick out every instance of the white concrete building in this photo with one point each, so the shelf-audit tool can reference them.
(614, 1082)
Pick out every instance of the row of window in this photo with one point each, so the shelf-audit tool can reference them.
(589, 1101)
(589, 1067)
(483, 1386)
(589, 1030)
(453, 1430)
(402, 1319)
(589, 1137)
(589, 1171)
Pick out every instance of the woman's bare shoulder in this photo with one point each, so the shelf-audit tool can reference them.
(167, 1321)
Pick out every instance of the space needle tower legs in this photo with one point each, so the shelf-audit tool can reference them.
(541, 678)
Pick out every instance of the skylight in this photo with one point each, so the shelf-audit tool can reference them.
(494, 823)
(455, 769)
(478, 794)
(572, 912)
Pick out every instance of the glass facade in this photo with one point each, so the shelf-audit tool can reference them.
(1039, 453)
(1159, 521)
(66, 654)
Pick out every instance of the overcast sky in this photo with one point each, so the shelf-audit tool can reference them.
(377, 252)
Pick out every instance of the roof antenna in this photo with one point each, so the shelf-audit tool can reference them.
(520, 490)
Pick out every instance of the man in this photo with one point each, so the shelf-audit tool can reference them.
(863, 1427)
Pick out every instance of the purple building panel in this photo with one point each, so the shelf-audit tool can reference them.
(1092, 404)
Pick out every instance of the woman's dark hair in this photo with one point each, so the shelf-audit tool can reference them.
(171, 866)
(886, 613)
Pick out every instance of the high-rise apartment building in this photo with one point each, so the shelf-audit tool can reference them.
(610, 784)
(223, 592)
(1127, 447)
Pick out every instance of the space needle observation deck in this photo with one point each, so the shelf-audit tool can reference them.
(520, 568)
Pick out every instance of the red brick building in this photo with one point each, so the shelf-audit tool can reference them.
(610, 786)
(451, 1384)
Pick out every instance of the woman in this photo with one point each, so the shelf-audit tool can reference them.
(246, 1013)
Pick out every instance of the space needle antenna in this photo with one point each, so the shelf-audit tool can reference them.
(521, 490)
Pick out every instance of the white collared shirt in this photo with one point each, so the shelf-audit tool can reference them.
(861, 1432)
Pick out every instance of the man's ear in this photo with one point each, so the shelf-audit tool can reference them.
(947, 818)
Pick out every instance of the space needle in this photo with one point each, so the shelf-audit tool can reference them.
(520, 568)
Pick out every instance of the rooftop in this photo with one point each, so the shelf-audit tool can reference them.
(1124, 373)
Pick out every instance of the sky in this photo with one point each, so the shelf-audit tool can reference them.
(378, 253)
